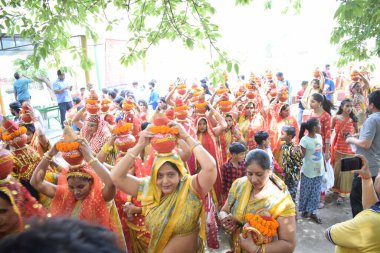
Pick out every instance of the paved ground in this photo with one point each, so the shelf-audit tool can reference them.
(310, 236)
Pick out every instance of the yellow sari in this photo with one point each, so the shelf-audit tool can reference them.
(172, 215)
(241, 203)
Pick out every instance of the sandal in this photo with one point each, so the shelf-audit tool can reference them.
(305, 215)
(315, 218)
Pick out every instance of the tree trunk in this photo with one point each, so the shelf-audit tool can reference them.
(47, 82)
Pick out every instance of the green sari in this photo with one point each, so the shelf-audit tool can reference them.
(241, 203)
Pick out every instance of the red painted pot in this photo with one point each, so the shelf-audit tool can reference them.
(26, 118)
(125, 142)
(92, 109)
(181, 92)
(6, 163)
(181, 115)
(105, 108)
(201, 110)
(163, 143)
(251, 95)
(273, 92)
(225, 108)
(73, 157)
(18, 141)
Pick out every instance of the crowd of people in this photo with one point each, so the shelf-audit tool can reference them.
(164, 174)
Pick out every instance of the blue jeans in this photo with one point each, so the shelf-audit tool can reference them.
(63, 108)
(299, 118)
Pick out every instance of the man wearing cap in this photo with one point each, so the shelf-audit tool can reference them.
(21, 88)
(62, 92)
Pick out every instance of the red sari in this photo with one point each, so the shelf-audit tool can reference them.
(209, 142)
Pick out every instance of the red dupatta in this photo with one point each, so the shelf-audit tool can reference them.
(339, 129)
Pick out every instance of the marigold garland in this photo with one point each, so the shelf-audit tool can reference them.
(221, 91)
(67, 146)
(106, 101)
(266, 225)
(181, 108)
(91, 101)
(224, 103)
(163, 130)
(10, 136)
(200, 105)
(127, 106)
(181, 86)
(249, 86)
(126, 127)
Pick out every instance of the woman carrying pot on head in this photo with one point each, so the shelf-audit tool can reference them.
(170, 197)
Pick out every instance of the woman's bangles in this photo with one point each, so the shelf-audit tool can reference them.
(47, 157)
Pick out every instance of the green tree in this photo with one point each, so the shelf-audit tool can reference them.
(358, 30)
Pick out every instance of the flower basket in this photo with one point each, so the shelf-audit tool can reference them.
(262, 228)
(92, 108)
(125, 142)
(6, 163)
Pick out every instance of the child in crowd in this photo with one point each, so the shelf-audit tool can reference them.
(291, 160)
(312, 169)
(234, 168)
(263, 142)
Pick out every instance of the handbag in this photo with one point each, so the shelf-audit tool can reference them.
(211, 225)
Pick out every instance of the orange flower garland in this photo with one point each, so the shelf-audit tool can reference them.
(10, 136)
(266, 225)
(224, 103)
(106, 101)
(249, 86)
(200, 105)
(181, 108)
(181, 86)
(127, 106)
(67, 146)
(122, 129)
(91, 101)
(221, 91)
(163, 130)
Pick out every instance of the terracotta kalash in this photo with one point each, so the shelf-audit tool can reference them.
(180, 110)
(25, 116)
(197, 92)
(124, 139)
(164, 139)
(224, 104)
(69, 147)
(26, 158)
(92, 103)
(130, 116)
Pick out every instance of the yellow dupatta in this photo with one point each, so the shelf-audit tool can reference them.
(170, 206)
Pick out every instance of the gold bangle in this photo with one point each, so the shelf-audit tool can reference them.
(93, 160)
(262, 248)
(194, 146)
